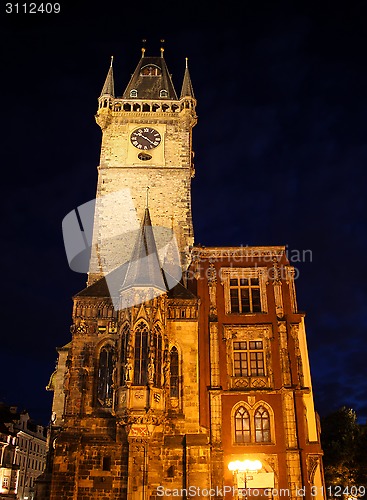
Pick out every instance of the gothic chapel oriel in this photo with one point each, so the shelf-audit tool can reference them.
(176, 382)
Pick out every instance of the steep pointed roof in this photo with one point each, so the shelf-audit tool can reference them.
(150, 77)
(109, 86)
(144, 269)
(187, 90)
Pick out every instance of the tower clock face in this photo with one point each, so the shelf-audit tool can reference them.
(145, 138)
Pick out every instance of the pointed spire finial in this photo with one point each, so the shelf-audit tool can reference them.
(162, 48)
(187, 90)
(109, 86)
(147, 197)
(143, 48)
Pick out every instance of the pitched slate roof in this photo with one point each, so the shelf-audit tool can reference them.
(148, 86)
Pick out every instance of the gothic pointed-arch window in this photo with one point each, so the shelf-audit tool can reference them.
(242, 425)
(262, 425)
(105, 372)
(125, 350)
(157, 350)
(174, 373)
(141, 354)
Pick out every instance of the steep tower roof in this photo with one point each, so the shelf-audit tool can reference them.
(151, 80)
(109, 86)
(187, 90)
(144, 267)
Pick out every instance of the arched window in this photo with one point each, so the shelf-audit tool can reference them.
(157, 350)
(163, 93)
(174, 373)
(150, 70)
(125, 346)
(262, 425)
(242, 425)
(141, 355)
(133, 93)
(105, 370)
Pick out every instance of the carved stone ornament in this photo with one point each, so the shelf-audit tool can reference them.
(312, 463)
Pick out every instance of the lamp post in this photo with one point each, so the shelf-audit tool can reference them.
(243, 466)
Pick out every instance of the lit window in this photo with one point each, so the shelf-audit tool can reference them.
(262, 425)
(252, 425)
(242, 426)
(133, 93)
(248, 359)
(163, 93)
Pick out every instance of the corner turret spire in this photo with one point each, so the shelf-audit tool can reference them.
(109, 86)
(187, 90)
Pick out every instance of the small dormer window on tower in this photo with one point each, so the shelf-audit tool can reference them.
(133, 93)
(163, 93)
(150, 70)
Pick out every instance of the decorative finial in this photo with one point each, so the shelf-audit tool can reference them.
(162, 48)
(187, 59)
(143, 48)
(111, 61)
(147, 197)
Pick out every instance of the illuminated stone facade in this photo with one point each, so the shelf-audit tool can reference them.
(164, 394)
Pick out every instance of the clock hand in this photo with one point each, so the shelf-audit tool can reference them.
(146, 138)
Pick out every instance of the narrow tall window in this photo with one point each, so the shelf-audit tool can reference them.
(125, 339)
(105, 369)
(157, 347)
(248, 359)
(174, 373)
(141, 355)
(242, 425)
(244, 295)
(262, 425)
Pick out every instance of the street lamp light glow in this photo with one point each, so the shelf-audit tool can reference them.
(245, 466)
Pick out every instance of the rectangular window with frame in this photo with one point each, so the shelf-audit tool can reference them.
(245, 295)
(248, 358)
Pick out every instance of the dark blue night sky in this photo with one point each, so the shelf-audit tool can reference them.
(281, 159)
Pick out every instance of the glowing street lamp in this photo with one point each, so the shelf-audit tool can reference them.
(244, 466)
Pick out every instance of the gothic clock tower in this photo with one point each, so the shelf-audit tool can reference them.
(146, 145)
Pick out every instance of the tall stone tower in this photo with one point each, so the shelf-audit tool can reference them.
(146, 144)
(170, 386)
